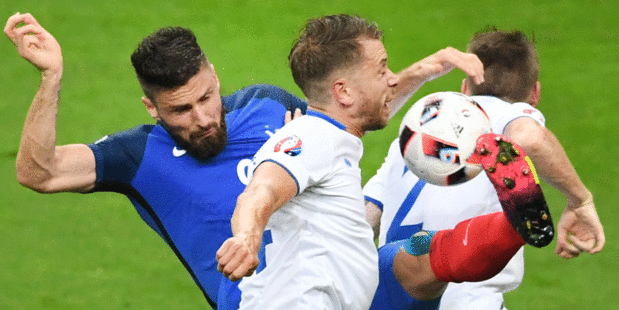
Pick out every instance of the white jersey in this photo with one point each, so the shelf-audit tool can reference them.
(409, 204)
(320, 254)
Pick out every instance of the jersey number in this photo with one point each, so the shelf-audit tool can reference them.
(245, 170)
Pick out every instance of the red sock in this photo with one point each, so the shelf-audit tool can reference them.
(475, 250)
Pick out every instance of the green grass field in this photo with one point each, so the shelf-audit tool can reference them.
(72, 251)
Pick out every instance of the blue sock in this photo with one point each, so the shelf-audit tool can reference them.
(419, 243)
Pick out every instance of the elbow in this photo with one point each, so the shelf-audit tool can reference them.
(532, 140)
(30, 180)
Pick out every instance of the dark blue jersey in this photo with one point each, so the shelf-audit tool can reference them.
(189, 203)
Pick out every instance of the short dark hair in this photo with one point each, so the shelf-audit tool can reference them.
(167, 59)
(511, 66)
(327, 44)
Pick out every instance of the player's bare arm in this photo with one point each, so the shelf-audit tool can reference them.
(432, 67)
(579, 223)
(41, 165)
(270, 188)
(372, 215)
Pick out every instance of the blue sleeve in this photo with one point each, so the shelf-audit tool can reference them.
(118, 158)
(240, 98)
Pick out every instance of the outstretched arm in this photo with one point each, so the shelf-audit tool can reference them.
(41, 165)
(579, 223)
(431, 67)
(270, 188)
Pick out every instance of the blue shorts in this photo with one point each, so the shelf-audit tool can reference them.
(390, 294)
(229, 295)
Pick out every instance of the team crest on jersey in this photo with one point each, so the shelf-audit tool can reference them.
(290, 145)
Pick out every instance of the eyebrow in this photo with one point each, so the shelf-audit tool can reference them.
(207, 93)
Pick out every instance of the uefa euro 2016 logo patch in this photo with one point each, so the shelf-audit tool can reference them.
(290, 146)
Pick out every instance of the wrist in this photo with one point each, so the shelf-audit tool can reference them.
(252, 239)
(52, 74)
(576, 202)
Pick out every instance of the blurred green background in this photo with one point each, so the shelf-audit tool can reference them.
(72, 251)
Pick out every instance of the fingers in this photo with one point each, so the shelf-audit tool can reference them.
(297, 113)
(234, 261)
(581, 245)
(29, 41)
(470, 64)
(9, 28)
(14, 33)
(564, 249)
(570, 246)
(600, 241)
(29, 19)
(567, 255)
(592, 245)
(567, 250)
(598, 246)
(449, 57)
(288, 117)
(28, 29)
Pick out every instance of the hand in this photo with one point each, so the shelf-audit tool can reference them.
(582, 227)
(289, 116)
(443, 61)
(237, 258)
(34, 43)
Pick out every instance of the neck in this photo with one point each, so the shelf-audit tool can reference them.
(340, 117)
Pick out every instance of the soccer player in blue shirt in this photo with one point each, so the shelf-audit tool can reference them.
(184, 173)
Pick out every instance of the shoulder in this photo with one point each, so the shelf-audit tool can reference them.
(244, 96)
(322, 138)
(129, 137)
(501, 113)
(118, 156)
(128, 144)
(140, 131)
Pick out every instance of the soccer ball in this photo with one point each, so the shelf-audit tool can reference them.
(438, 136)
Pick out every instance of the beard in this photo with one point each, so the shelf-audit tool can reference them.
(377, 119)
(376, 124)
(201, 148)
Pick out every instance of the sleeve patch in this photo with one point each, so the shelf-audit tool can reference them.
(290, 146)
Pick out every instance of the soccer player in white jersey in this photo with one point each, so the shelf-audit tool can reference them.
(301, 220)
(400, 204)
(305, 201)
(579, 229)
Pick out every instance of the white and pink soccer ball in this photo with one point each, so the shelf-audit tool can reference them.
(438, 136)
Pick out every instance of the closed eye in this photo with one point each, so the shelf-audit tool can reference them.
(204, 98)
(181, 109)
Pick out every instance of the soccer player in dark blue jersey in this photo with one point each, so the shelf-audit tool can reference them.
(184, 173)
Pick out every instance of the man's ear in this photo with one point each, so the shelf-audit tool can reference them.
(464, 88)
(535, 94)
(342, 93)
(151, 108)
(216, 77)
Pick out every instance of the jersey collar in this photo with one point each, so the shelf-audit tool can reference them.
(326, 118)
